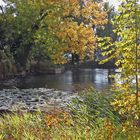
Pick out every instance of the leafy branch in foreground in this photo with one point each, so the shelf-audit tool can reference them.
(126, 49)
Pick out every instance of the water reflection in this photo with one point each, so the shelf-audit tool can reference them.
(70, 80)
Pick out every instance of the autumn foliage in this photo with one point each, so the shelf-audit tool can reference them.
(77, 28)
(71, 25)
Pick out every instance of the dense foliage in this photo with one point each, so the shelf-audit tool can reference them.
(126, 49)
(50, 29)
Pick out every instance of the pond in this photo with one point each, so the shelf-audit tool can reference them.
(71, 80)
(48, 91)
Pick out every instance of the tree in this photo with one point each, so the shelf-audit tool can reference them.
(76, 31)
(72, 30)
(125, 49)
(106, 31)
(56, 27)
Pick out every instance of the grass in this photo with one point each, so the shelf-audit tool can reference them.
(90, 117)
(41, 126)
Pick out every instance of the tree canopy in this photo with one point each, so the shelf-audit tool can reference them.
(50, 29)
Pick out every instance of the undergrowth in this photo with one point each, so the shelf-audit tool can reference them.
(91, 116)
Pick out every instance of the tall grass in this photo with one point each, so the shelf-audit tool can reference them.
(93, 106)
(90, 117)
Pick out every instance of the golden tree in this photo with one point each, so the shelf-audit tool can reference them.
(72, 24)
(55, 27)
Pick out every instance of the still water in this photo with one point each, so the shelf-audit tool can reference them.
(71, 80)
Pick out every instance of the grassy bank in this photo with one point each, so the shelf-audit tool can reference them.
(92, 116)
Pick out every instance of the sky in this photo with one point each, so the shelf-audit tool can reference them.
(114, 2)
